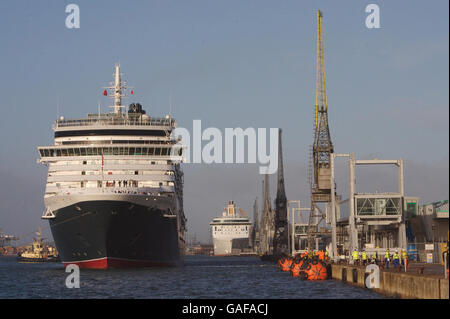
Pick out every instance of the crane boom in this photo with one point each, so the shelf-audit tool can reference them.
(322, 145)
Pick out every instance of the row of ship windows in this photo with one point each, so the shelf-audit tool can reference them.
(103, 142)
(227, 221)
(99, 172)
(93, 151)
(230, 233)
(110, 162)
(111, 183)
(216, 228)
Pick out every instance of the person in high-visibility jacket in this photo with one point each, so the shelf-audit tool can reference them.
(355, 255)
(364, 257)
(404, 258)
(374, 257)
(321, 255)
(386, 258)
(396, 259)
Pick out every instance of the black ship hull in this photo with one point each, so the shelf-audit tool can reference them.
(116, 234)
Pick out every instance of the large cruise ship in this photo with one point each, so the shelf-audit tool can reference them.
(230, 232)
(114, 192)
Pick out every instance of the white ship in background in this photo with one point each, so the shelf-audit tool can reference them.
(230, 232)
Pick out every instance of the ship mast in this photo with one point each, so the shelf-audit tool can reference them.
(116, 91)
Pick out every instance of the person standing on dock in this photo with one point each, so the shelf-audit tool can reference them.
(396, 258)
(374, 257)
(404, 259)
(445, 256)
(364, 257)
(386, 258)
(321, 255)
(355, 257)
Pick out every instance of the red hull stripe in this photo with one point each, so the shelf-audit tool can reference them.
(110, 262)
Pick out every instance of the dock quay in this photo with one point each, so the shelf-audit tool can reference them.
(421, 281)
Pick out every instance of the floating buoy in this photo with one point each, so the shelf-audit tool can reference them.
(295, 268)
(317, 271)
(305, 267)
(286, 265)
(280, 261)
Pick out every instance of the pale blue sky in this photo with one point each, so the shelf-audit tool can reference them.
(230, 64)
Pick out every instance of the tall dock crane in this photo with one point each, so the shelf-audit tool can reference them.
(322, 147)
(280, 238)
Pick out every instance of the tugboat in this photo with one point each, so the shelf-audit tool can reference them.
(39, 252)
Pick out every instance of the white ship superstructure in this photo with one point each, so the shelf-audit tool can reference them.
(230, 232)
(107, 163)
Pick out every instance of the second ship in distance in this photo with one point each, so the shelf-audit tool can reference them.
(231, 232)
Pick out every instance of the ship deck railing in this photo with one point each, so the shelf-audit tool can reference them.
(116, 121)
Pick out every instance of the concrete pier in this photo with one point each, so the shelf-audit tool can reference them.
(396, 284)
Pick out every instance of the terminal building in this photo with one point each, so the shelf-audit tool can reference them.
(428, 230)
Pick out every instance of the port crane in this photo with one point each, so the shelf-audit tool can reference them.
(319, 174)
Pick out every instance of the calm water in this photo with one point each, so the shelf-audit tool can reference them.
(200, 277)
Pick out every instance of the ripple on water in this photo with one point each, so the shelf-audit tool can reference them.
(200, 277)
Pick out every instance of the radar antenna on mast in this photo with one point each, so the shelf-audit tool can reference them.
(117, 90)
